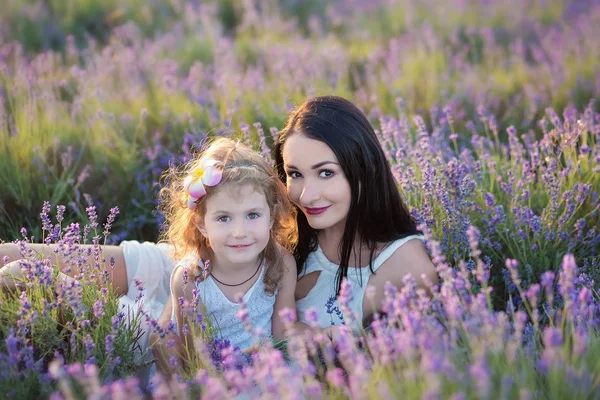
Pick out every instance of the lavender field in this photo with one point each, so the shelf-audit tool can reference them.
(487, 111)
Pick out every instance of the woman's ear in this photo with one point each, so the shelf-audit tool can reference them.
(199, 223)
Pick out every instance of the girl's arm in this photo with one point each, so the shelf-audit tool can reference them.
(163, 352)
(285, 299)
(117, 275)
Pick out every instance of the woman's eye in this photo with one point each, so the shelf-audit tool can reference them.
(253, 215)
(326, 173)
(294, 174)
(223, 218)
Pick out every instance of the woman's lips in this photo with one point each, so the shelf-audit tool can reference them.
(315, 211)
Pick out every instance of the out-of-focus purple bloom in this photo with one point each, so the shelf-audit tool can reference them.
(98, 308)
(490, 201)
(108, 345)
(336, 378)
(311, 316)
(288, 315)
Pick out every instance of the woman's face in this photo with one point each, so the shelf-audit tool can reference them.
(315, 182)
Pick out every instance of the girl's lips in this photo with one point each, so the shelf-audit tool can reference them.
(315, 211)
(240, 246)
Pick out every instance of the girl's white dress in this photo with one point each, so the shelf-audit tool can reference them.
(149, 270)
(223, 312)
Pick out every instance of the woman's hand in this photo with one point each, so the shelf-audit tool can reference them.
(117, 273)
(10, 275)
(333, 332)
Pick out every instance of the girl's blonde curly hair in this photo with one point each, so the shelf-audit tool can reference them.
(241, 166)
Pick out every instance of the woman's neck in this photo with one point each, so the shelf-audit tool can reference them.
(331, 238)
(330, 241)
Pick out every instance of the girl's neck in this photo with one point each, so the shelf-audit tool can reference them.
(233, 269)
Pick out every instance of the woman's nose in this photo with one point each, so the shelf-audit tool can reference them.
(310, 193)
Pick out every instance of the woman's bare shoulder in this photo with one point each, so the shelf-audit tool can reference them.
(410, 258)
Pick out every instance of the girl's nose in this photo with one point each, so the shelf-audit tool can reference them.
(239, 229)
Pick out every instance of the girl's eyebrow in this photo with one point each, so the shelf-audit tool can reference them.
(256, 209)
(253, 209)
(317, 165)
(216, 212)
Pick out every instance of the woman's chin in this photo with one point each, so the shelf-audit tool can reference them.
(321, 222)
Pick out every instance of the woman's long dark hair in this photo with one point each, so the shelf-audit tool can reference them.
(377, 213)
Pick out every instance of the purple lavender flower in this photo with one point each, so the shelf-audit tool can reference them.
(108, 345)
(60, 211)
(288, 315)
(44, 215)
(567, 276)
(89, 345)
(98, 309)
(93, 217)
(331, 308)
(336, 377)
(109, 220)
(311, 316)
(490, 201)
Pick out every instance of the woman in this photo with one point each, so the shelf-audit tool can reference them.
(352, 222)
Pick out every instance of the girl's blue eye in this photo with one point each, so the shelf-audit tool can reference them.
(253, 215)
(223, 218)
(326, 173)
(294, 174)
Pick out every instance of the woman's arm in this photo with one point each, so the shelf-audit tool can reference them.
(182, 289)
(10, 274)
(117, 275)
(410, 258)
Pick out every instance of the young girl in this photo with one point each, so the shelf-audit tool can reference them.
(229, 225)
(229, 221)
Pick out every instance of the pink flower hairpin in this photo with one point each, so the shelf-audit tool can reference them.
(206, 174)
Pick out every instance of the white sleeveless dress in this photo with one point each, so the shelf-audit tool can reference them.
(322, 296)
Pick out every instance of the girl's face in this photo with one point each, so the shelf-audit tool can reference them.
(237, 224)
(316, 182)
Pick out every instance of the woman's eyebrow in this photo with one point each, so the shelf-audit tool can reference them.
(317, 165)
